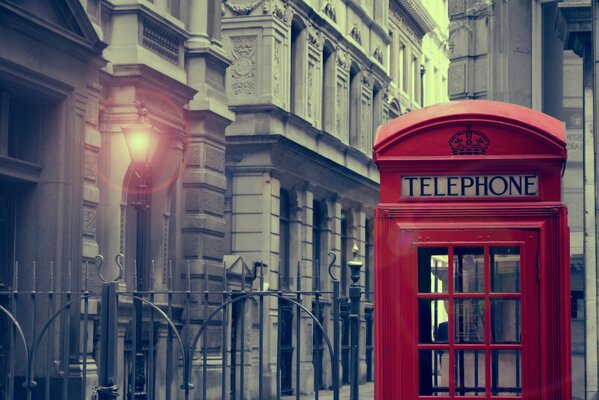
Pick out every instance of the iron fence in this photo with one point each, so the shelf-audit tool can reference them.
(200, 343)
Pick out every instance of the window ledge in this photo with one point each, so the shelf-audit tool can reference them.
(19, 170)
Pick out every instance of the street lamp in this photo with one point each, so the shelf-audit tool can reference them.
(142, 141)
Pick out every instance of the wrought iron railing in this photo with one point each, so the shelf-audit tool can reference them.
(80, 341)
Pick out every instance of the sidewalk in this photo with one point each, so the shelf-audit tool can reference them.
(366, 393)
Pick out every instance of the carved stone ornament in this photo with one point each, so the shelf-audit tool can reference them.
(242, 7)
(355, 34)
(378, 55)
(315, 37)
(329, 11)
(342, 60)
(244, 66)
(283, 13)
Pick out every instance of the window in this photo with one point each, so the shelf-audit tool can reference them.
(355, 93)
(414, 89)
(296, 70)
(20, 121)
(284, 238)
(403, 78)
(316, 245)
(328, 89)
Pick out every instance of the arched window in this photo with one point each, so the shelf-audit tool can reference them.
(328, 88)
(296, 66)
(377, 110)
(284, 238)
(316, 243)
(355, 92)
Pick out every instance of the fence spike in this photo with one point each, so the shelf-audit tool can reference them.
(51, 276)
(34, 276)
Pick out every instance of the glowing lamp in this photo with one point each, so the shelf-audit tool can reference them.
(141, 138)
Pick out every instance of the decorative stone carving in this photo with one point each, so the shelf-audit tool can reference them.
(285, 14)
(342, 59)
(310, 89)
(215, 159)
(89, 221)
(405, 24)
(339, 110)
(277, 70)
(242, 7)
(90, 167)
(193, 155)
(315, 37)
(244, 66)
(91, 111)
(329, 10)
(356, 34)
(366, 79)
(159, 39)
(378, 55)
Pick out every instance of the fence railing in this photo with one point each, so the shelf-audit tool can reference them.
(223, 341)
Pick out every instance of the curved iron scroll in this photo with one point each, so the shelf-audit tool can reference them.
(31, 361)
(261, 294)
(186, 384)
(21, 335)
(332, 264)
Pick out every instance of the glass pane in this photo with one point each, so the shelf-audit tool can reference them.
(505, 320)
(432, 269)
(432, 321)
(469, 269)
(469, 321)
(469, 372)
(505, 269)
(506, 373)
(433, 373)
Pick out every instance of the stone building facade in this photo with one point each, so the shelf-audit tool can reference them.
(528, 52)
(266, 112)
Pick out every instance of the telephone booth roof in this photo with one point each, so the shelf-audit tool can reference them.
(512, 130)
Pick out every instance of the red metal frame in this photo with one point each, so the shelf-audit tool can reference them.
(522, 141)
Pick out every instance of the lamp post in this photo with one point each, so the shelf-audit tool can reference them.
(354, 296)
(142, 141)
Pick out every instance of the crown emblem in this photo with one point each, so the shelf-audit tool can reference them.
(468, 142)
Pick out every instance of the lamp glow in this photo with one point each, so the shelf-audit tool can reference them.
(141, 138)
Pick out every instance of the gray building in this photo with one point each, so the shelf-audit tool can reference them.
(531, 53)
(265, 112)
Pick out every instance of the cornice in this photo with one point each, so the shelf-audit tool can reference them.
(280, 145)
(573, 24)
(147, 76)
(84, 47)
(418, 13)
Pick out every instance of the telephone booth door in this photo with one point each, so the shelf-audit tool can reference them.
(476, 329)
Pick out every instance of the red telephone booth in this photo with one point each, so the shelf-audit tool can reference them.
(472, 284)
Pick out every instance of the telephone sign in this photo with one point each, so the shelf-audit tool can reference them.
(469, 186)
(472, 286)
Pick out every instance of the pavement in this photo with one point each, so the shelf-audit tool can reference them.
(366, 393)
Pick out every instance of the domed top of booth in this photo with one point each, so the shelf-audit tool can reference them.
(495, 129)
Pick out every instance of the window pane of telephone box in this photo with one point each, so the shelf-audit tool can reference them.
(469, 321)
(432, 269)
(432, 321)
(433, 368)
(469, 269)
(469, 372)
(505, 320)
(506, 368)
(505, 269)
